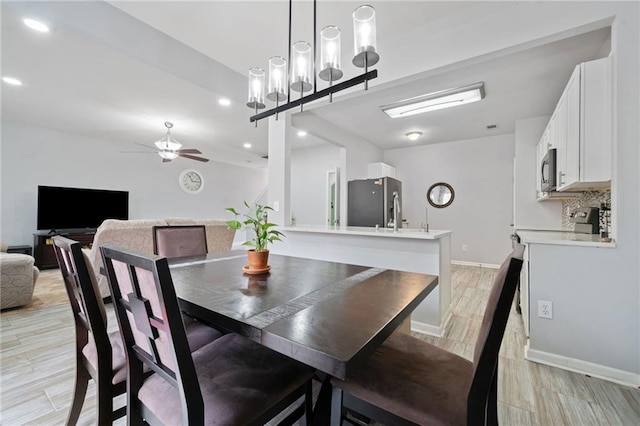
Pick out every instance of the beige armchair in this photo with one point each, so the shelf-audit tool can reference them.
(18, 277)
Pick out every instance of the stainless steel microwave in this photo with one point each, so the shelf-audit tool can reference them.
(548, 171)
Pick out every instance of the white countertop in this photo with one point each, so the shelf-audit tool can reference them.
(433, 234)
(563, 238)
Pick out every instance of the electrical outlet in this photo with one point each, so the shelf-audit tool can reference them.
(464, 247)
(545, 309)
(276, 206)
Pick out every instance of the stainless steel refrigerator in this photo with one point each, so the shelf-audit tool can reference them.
(370, 202)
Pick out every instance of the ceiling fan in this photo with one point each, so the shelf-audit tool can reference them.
(169, 149)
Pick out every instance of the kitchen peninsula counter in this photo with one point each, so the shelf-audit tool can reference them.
(411, 250)
(563, 238)
(375, 232)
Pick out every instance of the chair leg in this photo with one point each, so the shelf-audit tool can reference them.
(336, 407)
(104, 402)
(492, 401)
(79, 393)
(308, 404)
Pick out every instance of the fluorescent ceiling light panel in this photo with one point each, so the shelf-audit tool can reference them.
(437, 100)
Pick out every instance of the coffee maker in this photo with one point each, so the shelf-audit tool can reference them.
(586, 220)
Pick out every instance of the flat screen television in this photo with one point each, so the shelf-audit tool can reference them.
(77, 208)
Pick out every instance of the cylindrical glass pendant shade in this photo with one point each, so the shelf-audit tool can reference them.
(364, 36)
(256, 88)
(301, 66)
(277, 79)
(330, 54)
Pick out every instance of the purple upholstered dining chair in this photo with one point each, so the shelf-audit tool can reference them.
(231, 381)
(179, 241)
(100, 354)
(408, 381)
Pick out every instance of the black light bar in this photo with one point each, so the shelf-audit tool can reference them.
(316, 95)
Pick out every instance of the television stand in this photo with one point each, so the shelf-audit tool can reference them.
(45, 257)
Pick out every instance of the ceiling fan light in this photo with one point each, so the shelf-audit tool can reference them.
(168, 155)
(167, 143)
(434, 101)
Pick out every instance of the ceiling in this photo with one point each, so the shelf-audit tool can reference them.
(117, 73)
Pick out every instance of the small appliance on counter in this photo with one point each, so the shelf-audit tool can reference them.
(586, 219)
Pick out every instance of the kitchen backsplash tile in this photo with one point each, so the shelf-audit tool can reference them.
(588, 199)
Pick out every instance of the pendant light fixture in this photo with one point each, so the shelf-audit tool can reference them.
(302, 67)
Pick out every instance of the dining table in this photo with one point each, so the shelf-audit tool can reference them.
(328, 315)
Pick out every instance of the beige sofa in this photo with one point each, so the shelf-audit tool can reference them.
(18, 278)
(138, 234)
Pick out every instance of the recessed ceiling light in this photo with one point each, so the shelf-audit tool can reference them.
(224, 101)
(413, 135)
(12, 81)
(36, 25)
(302, 133)
(247, 145)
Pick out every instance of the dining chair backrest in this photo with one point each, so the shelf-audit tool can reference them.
(151, 325)
(82, 289)
(494, 322)
(95, 347)
(179, 241)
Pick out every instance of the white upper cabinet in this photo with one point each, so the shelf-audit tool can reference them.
(584, 133)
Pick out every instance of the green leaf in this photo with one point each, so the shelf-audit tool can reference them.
(234, 224)
(232, 210)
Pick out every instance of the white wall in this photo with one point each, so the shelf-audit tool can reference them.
(33, 156)
(528, 212)
(309, 168)
(480, 172)
(355, 157)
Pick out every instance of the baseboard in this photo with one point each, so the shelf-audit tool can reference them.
(583, 367)
(430, 329)
(481, 265)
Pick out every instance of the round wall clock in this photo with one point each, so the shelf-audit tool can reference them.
(191, 181)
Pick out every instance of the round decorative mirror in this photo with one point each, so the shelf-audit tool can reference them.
(440, 195)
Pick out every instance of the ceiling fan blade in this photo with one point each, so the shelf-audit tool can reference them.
(191, 157)
(147, 146)
(189, 151)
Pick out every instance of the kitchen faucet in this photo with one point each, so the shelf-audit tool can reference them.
(396, 210)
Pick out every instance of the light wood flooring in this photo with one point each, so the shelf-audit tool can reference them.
(37, 365)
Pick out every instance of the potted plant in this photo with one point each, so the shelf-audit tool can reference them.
(263, 231)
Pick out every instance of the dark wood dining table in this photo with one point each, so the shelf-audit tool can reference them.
(330, 316)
